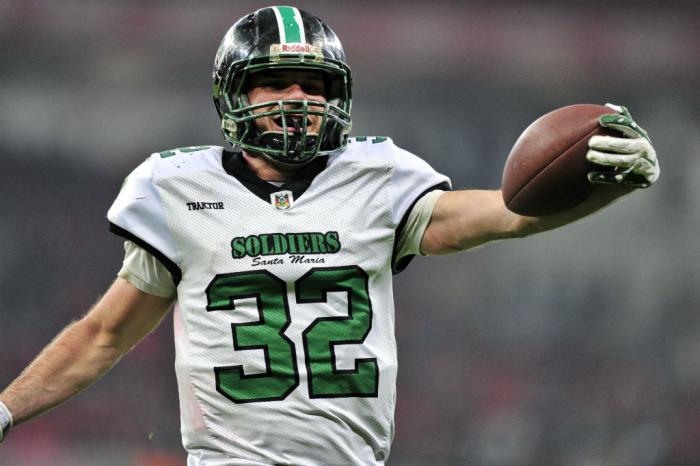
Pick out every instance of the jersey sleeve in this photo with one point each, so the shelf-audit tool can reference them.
(412, 179)
(418, 219)
(138, 216)
(146, 272)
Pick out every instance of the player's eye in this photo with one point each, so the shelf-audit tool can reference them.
(275, 84)
(313, 88)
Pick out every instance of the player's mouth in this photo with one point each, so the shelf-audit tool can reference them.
(294, 123)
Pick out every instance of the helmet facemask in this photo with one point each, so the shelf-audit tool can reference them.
(293, 141)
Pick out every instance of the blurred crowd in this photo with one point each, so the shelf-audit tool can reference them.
(579, 347)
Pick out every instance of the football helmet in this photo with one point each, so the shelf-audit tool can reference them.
(282, 38)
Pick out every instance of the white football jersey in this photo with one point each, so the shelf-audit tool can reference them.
(284, 321)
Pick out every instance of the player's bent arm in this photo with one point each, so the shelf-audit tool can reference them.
(85, 350)
(462, 220)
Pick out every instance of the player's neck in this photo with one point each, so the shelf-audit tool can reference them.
(265, 170)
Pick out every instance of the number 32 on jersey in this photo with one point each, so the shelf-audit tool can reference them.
(325, 380)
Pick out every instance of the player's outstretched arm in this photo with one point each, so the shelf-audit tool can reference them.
(85, 350)
(464, 219)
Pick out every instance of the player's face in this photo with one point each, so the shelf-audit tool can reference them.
(270, 86)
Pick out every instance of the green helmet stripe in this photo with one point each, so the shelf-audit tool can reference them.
(291, 28)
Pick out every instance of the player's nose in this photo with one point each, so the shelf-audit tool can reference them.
(295, 92)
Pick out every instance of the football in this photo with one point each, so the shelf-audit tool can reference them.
(546, 171)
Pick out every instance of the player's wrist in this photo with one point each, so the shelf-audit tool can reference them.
(5, 421)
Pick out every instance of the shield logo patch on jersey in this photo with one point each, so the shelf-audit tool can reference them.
(282, 200)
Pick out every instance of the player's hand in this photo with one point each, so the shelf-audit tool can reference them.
(632, 155)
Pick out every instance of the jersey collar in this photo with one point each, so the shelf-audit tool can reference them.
(235, 165)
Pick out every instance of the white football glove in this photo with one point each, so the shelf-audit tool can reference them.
(5, 421)
(633, 156)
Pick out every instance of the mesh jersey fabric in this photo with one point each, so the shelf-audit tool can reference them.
(148, 274)
(284, 320)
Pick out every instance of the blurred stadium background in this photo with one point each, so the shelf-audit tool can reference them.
(580, 347)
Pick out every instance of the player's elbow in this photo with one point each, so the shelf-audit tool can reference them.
(437, 242)
(100, 338)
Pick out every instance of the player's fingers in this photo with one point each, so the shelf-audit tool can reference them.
(623, 124)
(636, 181)
(619, 145)
(650, 154)
(625, 130)
(631, 180)
(604, 178)
(612, 160)
(649, 170)
(615, 119)
(617, 108)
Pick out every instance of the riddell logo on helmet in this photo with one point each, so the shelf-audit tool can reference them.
(277, 49)
(306, 48)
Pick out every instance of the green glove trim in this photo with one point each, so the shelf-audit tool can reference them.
(624, 123)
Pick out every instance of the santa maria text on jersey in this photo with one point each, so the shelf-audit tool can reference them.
(296, 245)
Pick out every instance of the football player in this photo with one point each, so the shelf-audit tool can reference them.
(278, 255)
